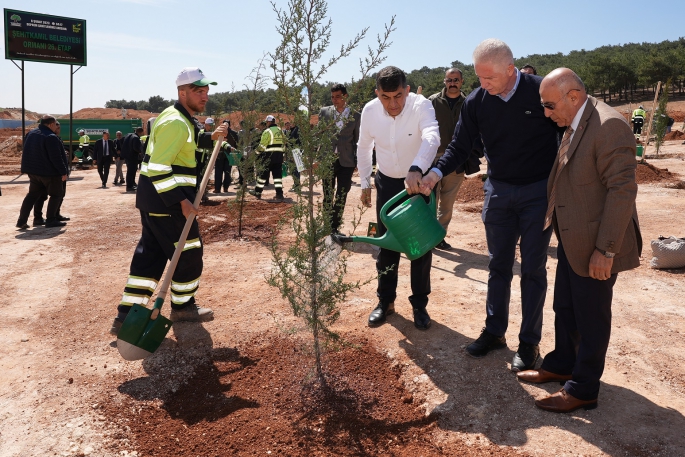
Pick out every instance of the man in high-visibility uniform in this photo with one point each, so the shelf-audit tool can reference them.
(165, 196)
(202, 155)
(638, 120)
(270, 149)
(83, 147)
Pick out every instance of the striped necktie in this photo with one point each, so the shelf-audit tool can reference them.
(563, 149)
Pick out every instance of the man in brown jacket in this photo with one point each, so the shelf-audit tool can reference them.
(591, 193)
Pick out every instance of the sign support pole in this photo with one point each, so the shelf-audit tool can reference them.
(23, 112)
(71, 109)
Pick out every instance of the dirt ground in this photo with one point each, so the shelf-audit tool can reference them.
(241, 385)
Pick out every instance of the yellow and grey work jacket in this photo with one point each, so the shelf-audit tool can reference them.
(167, 174)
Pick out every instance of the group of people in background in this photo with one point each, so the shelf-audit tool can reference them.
(558, 160)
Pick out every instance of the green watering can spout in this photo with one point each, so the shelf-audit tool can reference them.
(412, 227)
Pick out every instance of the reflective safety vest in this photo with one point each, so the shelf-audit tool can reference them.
(169, 162)
(272, 140)
(639, 113)
(83, 140)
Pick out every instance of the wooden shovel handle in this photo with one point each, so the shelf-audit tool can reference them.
(189, 222)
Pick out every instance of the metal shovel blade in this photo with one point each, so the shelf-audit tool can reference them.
(142, 332)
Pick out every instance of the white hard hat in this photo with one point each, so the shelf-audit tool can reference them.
(209, 120)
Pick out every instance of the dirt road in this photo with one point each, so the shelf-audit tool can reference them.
(60, 372)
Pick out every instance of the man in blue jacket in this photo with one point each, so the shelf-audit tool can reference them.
(43, 161)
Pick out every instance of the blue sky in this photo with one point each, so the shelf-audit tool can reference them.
(137, 47)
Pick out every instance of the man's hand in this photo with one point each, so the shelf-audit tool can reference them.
(188, 208)
(65, 177)
(366, 197)
(221, 130)
(428, 182)
(600, 266)
(413, 182)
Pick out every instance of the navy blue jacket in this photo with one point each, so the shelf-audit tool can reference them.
(43, 153)
(520, 142)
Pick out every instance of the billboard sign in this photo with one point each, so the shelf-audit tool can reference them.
(44, 38)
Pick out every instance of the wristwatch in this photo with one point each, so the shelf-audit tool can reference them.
(415, 168)
(607, 254)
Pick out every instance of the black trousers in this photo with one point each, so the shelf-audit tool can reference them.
(131, 168)
(582, 327)
(637, 126)
(155, 248)
(274, 169)
(103, 169)
(222, 173)
(387, 188)
(39, 186)
(342, 176)
(38, 206)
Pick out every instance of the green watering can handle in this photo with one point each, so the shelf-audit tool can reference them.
(400, 196)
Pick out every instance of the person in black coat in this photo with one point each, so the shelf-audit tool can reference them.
(105, 150)
(43, 161)
(130, 149)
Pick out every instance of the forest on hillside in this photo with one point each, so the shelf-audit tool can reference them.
(614, 73)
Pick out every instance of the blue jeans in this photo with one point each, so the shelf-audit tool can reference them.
(513, 212)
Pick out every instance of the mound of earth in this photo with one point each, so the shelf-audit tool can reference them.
(471, 190)
(674, 135)
(112, 113)
(648, 173)
(264, 400)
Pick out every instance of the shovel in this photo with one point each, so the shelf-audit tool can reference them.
(144, 329)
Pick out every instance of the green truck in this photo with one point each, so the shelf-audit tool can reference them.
(95, 127)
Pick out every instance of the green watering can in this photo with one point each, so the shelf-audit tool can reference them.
(412, 227)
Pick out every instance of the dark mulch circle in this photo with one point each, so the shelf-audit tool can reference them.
(263, 401)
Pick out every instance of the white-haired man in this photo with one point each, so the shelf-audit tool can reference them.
(520, 146)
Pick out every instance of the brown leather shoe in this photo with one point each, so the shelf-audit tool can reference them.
(540, 376)
(564, 402)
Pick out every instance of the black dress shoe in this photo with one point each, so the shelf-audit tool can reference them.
(526, 357)
(444, 246)
(421, 319)
(378, 315)
(22, 225)
(37, 222)
(55, 223)
(485, 343)
(63, 218)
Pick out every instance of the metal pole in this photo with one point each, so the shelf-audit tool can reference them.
(23, 109)
(71, 109)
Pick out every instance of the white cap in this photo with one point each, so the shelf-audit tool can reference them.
(209, 120)
(193, 75)
(269, 118)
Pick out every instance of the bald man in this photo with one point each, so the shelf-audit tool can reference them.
(591, 206)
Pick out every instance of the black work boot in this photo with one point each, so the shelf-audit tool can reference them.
(526, 357)
(485, 343)
(378, 315)
(422, 320)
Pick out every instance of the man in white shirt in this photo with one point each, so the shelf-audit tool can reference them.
(403, 129)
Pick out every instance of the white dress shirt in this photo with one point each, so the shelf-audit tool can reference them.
(410, 138)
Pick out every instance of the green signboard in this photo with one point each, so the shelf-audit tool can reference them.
(44, 38)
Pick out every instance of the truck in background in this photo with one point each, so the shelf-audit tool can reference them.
(95, 127)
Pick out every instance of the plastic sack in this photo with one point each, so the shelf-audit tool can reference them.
(668, 252)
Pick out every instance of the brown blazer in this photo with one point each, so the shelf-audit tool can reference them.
(596, 190)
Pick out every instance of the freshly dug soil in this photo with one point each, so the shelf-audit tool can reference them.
(674, 135)
(264, 400)
(471, 190)
(218, 220)
(648, 173)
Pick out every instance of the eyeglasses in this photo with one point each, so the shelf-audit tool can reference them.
(551, 106)
(450, 80)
